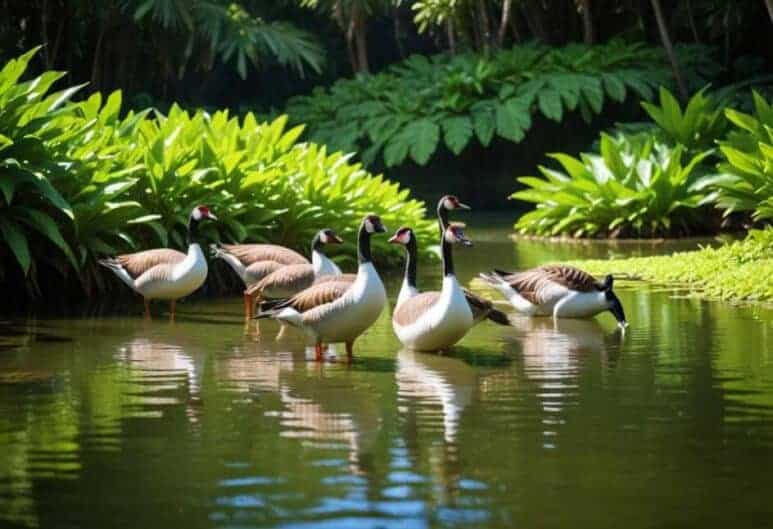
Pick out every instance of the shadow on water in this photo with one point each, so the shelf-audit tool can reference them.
(112, 421)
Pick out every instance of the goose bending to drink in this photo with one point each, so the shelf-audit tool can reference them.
(558, 290)
(337, 310)
(431, 321)
(164, 273)
(481, 308)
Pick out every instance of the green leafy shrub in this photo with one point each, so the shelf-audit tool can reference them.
(78, 181)
(635, 186)
(421, 103)
(746, 182)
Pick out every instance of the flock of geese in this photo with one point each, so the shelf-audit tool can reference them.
(333, 307)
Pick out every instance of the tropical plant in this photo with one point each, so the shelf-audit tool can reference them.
(421, 103)
(746, 180)
(696, 127)
(635, 186)
(78, 181)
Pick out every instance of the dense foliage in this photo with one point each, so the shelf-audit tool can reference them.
(746, 182)
(421, 103)
(737, 271)
(78, 181)
(635, 187)
(605, 194)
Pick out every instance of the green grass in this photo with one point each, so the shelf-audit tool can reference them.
(737, 271)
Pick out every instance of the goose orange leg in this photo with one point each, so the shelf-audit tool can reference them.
(318, 352)
(173, 309)
(146, 301)
(349, 351)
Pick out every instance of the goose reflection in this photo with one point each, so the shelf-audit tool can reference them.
(553, 354)
(427, 379)
(319, 406)
(163, 374)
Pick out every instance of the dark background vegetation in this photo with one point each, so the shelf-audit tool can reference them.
(106, 43)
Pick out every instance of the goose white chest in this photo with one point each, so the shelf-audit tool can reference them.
(356, 310)
(444, 324)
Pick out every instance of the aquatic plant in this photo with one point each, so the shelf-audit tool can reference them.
(78, 181)
(414, 107)
(741, 270)
(636, 186)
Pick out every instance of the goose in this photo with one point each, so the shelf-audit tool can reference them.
(290, 279)
(558, 290)
(481, 308)
(337, 310)
(432, 321)
(253, 262)
(164, 273)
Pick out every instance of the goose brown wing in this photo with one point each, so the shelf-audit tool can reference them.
(413, 308)
(343, 277)
(138, 263)
(317, 295)
(160, 272)
(539, 284)
(572, 278)
(251, 253)
(292, 277)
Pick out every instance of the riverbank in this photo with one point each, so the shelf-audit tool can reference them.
(737, 271)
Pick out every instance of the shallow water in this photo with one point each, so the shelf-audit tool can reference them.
(113, 421)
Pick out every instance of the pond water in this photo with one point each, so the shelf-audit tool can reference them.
(112, 421)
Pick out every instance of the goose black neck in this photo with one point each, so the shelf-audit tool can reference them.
(193, 230)
(316, 243)
(442, 216)
(363, 245)
(410, 262)
(448, 257)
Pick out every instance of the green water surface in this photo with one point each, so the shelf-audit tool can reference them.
(109, 421)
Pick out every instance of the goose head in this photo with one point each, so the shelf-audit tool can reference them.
(372, 224)
(200, 213)
(404, 235)
(454, 234)
(613, 303)
(326, 236)
(451, 202)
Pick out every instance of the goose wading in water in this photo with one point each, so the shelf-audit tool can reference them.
(558, 290)
(253, 262)
(432, 321)
(290, 279)
(337, 310)
(481, 308)
(165, 273)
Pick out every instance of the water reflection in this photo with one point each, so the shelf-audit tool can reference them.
(111, 422)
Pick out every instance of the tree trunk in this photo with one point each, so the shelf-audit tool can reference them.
(451, 36)
(361, 40)
(588, 32)
(514, 28)
(351, 47)
(504, 22)
(97, 51)
(44, 33)
(769, 5)
(666, 38)
(691, 19)
(530, 11)
(485, 27)
(398, 31)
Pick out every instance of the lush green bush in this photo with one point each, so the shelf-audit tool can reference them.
(635, 187)
(77, 180)
(746, 182)
(741, 270)
(421, 103)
